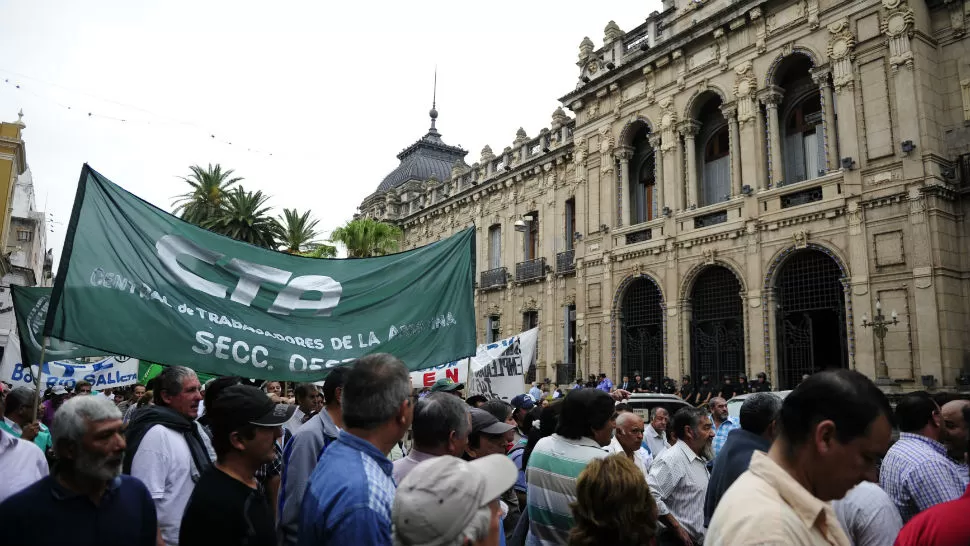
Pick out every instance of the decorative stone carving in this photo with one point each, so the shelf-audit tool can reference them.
(957, 16)
(702, 58)
(530, 304)
(720, 39)
(607, 142)
(744, 89)
(761, 30)
(898, 26)
(840, 51)
(917, 208)
(710, 255)
(493, 311)
(520, 137)
(655, 142)
(585, 50)
(651, 79)
(678, 57)
(581, 150)
(612, 33)
(800, 238)
(569, 299)
(559, 119)
(668, 124)
(812, 8)
(854, 215)
(487, 155)
(594, 110)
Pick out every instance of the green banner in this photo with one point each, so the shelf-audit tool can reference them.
(30, 308)
(148, 371)
(137, 281)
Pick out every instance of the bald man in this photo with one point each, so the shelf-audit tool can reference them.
(628, 439)
(955, 430)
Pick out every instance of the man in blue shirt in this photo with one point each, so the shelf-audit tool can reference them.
(605, 384)
(349, 498)
(87, 499)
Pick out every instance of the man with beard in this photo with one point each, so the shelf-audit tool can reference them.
(86, 501)
(227, 505)
(168, 451)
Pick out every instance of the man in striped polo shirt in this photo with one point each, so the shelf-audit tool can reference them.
(585, 429)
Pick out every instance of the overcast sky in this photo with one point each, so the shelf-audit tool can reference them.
(334, 90)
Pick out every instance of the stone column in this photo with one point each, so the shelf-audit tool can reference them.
(771, 98)
(625, 186)
(689, 130)
(658, 161)
(673, 163)
(821, 78)
(761, 145)
(730, 112)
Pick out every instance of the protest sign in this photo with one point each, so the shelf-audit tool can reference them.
(456, 370)
(110, 372)
(498, 369)
(136, 280)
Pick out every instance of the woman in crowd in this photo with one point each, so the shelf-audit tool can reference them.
(613, 505)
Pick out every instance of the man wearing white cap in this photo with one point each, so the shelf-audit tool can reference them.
(447, 501)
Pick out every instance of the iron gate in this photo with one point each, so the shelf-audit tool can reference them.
(717, 326)
(641, 331)
(811, 316)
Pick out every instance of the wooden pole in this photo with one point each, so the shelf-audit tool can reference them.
(40, 372)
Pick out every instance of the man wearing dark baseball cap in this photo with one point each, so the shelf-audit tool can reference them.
(226, 506)
(521, 406)
(489, 436)
(446, 501)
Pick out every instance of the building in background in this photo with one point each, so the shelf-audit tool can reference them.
(25, 259)
(742, 182)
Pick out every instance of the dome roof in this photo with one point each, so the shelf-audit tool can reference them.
(427, 157)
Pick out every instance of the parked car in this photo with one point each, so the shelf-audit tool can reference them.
(642, 403)
(734, 404)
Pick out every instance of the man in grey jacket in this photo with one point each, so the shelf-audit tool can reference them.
(302, 452)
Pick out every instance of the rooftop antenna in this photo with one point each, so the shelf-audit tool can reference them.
(434, 98)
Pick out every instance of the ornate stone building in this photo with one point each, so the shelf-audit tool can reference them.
(742, 183)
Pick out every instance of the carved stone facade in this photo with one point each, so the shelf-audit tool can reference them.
(717, 180)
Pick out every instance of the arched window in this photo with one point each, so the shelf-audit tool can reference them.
(716, 186)
(642, 176)
(804, 146)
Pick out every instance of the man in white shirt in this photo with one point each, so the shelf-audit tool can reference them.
(166, 449)
(655, 434)
(678, 479)
(629, 436)
(24, 464)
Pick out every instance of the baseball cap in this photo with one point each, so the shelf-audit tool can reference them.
(239, 405)
(483, 421)
(446, 385)
(437, 500)
(58, 391)
(523, 401)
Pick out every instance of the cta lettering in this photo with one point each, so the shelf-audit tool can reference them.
(251, 276)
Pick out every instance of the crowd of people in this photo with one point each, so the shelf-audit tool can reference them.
(367, 460)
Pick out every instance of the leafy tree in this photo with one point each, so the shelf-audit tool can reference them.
(208, 194)
(299, 231)
(366, 237)
(321, 250)
(245, 217)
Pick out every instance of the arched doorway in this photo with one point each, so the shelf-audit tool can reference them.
(717, 325)
(641, 330)
(810, 312)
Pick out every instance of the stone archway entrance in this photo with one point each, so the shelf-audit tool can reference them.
(810, 314)
(717, 325)
(641, 330)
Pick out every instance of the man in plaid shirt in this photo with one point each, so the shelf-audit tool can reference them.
(916, 473)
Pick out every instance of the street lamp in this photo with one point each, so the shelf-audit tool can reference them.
(880, 327)
(579, 345)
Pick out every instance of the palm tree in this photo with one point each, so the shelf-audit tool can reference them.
(244, 217)
(209, 188)
(321, 250)
(299, 230)
(367, 237)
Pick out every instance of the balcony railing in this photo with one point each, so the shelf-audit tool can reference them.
(639, 236)
(494, 278)
(566, 261)
(530, 270)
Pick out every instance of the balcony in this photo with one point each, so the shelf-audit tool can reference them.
(566, 262)
(530, 270)
(494, 278)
